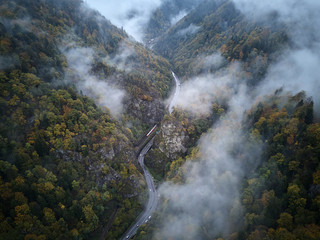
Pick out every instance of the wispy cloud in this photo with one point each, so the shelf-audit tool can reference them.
(102, 90)
(178, 17)
(296, 70)
(191, 29)
(8, 62)
(122, 59)
(24, 23)
(132, 15)
(208, 202)
(198, 94)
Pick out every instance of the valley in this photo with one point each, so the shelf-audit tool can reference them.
(159, 120)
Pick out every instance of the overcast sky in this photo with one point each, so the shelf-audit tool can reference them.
(132, 15)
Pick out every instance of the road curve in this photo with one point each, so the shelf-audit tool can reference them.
(176, 93)
(153, 196)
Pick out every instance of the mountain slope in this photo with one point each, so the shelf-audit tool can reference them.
(67, 162)
(46, 26)
(254, 172)
(167, 15)
(218, 27)
(277, 200)
(76, 93)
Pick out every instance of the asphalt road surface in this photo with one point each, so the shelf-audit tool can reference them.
(145, 216)
(151, 206)
(176, 93)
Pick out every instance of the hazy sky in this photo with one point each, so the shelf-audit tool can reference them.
(132, 15)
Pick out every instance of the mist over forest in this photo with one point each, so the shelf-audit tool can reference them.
(225, 91)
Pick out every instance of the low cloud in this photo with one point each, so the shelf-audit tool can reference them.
(214, 60)
(199, 93)
(209, 200)
(209, 63)
(178, 17)
(102, 91)
(121, 59)
(208, 203)
(8, 62)
(25, 23)
(296, 70)
(190, 30)
(132, 15)
(287, 10)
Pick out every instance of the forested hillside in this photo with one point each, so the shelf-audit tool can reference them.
(67, 163)
(218, 27)
(211, 40)
(280, 198)
(166, 16)
(273, 152)
(238, 158)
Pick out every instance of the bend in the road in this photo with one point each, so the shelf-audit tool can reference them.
(176, 93)
(153, 196)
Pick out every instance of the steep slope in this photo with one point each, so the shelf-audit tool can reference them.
(278, 200)
(68, 162)
(54, 28)
(213, 39)
(217, 27)
(75, 94)
(254, 173)
(167, 15)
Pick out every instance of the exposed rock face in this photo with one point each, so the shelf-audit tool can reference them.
(174, 139)
(105, 154)
(149, 112)
(155, 111)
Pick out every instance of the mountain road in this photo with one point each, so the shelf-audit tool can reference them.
(154, 196)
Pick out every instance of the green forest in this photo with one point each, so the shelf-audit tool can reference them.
(251, 42)
(280, 199)
(69, 167)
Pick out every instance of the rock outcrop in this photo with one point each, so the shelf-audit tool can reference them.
(173, 138)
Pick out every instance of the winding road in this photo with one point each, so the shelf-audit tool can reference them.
(176, 93)
(153, 200)
(151, 206)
